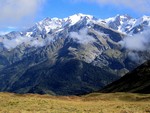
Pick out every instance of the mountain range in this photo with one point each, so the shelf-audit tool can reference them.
(71, 56)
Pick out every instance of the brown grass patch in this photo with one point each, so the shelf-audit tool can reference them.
(92, 103)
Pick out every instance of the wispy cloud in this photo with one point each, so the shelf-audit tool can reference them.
(136, 44)
(27, 40)
(15, 11)
(13, 43)
(82, 36)
(142, 6)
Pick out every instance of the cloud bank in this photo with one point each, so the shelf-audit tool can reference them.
(142, 6)
(15, 11)
(11, 44)
(30, 41)
(136, 44)
(82, 36)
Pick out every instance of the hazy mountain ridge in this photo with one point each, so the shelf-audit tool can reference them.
(83, 39)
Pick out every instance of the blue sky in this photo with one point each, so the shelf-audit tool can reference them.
(17, 14)
(64, 8)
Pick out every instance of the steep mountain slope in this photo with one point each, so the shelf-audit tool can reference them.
(71, 77)
(74, 55)
(137, 81)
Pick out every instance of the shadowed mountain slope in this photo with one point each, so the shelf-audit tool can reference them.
(137, 81)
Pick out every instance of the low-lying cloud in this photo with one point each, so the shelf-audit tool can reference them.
(82, 36)
(136, 44)
(142, 6)
(11, 44)
(134, 56)
(15, 11)
(28, 41)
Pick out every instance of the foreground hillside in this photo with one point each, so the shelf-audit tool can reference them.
(92, 103)
(137, 81)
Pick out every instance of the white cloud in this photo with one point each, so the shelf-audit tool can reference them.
(82, 36)
(13, 43)
(37, 43)
(136, 5)
(15, 11)
(134, 56)
(137, 42)
(10, 44)
(136, 45)
(28, 41)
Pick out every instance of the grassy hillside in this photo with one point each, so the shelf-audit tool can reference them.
(92, 103)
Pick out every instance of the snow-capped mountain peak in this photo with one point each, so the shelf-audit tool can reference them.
(49, 24)
(122, 23)
(118, 17)
(77, 17)
(143, 20)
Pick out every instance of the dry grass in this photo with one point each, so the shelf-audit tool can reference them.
(92, 103)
